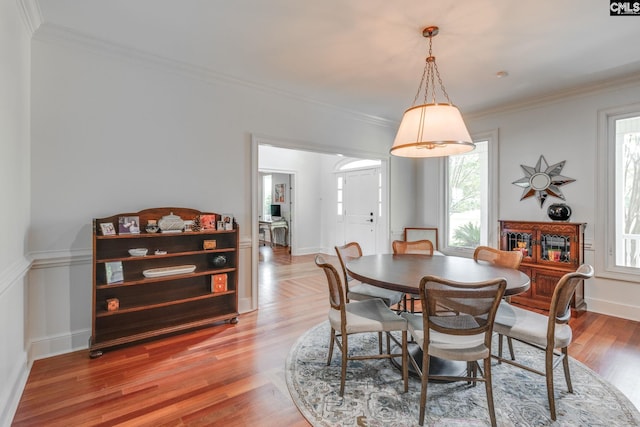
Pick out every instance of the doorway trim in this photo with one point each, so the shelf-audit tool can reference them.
(258, 140)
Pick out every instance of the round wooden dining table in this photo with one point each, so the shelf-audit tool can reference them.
(403, 273)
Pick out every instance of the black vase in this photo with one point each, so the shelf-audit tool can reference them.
(219, 261)
(559, 212)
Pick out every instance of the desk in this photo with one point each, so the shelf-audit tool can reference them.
(403, 273)
(272, 225)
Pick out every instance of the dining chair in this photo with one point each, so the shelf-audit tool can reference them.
(422, 233)
(546, 333)
(366, 316)
(356, 290)
(462, 332)
(508, 259)
(419, 247)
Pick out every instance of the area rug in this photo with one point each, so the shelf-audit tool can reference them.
(373, 392)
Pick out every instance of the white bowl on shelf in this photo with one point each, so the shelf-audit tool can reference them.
(138, 251)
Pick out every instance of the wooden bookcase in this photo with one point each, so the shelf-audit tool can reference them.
(550, 249)
(149, 307)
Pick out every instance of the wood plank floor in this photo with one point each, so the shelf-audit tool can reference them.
(233, 375)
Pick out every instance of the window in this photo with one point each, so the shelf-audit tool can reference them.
(470, 214)
(266, 199)
(619, 191)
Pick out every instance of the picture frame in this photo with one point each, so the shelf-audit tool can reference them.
(129, 225)
(113, 272)
(208, 222)
(107, 229)
(279, 193)
(227, 220)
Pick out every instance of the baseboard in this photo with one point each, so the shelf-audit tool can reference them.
(245, 305)
(609, 308)
(17, 385)
(307, 251)
(59, 344)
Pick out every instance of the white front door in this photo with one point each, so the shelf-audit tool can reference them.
(361, 208)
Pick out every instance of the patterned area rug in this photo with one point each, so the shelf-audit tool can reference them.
(373, 392)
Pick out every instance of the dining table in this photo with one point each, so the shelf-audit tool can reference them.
(404, 272)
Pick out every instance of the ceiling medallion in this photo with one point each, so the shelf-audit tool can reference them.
(543, 180)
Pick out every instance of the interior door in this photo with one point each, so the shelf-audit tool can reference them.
(361, 208)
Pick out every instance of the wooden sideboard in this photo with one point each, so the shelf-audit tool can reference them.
(550, 249)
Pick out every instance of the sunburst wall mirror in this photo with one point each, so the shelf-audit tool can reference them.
(543, 180)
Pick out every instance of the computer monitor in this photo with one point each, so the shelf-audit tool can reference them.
(275, 211)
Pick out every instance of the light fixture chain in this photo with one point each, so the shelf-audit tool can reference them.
(444, 91)
(424, 73)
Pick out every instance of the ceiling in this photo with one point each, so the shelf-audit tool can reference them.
(368, 55)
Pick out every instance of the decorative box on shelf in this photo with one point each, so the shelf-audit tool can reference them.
(219, 282)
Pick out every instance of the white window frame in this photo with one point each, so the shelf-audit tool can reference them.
(493, 188)
(605, 259)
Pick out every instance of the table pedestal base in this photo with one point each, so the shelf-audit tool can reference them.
(437, 366)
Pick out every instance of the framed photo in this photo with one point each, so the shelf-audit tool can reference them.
(208, 222)
(129, 225)
(107, 229)
(227, 220)
(114, 272)
(279, 190)
(188, 225)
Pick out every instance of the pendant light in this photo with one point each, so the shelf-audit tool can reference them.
(432, 129)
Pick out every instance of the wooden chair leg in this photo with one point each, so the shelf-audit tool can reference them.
(565, 365)
(332, 338)
(405, 361)
(489, 389)
(343, 373)
(424, 383)
(549, 375)
(510, 343)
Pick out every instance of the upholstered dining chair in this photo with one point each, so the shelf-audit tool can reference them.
(462, 332)
(508, 259)
(369, 315)
(357, 291)
(420, 247)
(546, 333)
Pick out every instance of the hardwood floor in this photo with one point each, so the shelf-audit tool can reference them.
(233, 375)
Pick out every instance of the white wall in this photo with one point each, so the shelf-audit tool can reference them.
(113, 132)
(560, 129)
(14, 214)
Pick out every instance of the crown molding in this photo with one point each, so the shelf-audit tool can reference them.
(626, 81)
(31, 15)
(51, 33)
